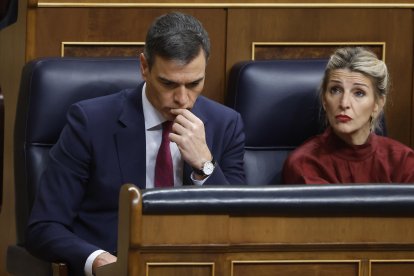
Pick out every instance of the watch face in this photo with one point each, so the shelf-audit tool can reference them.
(208, 168)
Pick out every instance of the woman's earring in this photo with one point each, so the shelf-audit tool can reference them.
(371, 122)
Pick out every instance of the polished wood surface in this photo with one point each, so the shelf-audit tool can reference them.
(384, 267)
(216, 3)
(101, 50)
(259, 244)
(307, 50)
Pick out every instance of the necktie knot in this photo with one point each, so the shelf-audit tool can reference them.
(166, 128)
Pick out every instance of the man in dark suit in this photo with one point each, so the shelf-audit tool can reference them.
(113, 140)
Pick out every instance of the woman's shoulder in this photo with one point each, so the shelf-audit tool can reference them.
(394, 151)
(389, 144)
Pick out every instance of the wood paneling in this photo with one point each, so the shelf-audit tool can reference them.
(296, 268)
(179, 269)
(100, 49)
(392, 267)
(263, 51)
(125, 25)
(336, 230)
(216, 3)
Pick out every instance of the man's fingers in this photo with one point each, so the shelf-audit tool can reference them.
(185, 113)
(178, 129)
(182, 121)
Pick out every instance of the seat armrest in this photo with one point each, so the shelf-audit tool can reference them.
(289, 200)
(59, 269)
(21, 263)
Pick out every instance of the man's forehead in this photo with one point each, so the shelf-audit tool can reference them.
(173, 71)
(180, 78)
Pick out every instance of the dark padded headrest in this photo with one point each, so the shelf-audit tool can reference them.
(8, 13)
(277, 99)
(315, 200)
(50, 86)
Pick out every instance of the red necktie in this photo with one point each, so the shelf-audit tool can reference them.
(164, 176)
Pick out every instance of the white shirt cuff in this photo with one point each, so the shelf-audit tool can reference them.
(198, 182)
(90, 260)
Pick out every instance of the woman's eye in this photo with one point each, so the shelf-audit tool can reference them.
(335, 90)
(359, 93)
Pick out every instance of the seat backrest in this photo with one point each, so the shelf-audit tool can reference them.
(278, 101)
(8, 12)
(48, 87)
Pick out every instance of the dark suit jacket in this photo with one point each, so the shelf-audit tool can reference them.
(102, 147)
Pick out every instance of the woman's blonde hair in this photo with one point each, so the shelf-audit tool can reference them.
(361, 60)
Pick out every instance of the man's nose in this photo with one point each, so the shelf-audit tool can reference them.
(181, 95)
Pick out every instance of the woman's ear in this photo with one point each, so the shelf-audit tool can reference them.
(323, 102)
(379, 105)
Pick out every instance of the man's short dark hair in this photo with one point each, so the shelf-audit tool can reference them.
(176, 36)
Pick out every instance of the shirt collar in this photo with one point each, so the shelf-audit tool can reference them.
(152, 116)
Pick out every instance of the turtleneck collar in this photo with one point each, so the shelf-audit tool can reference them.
(341, 149)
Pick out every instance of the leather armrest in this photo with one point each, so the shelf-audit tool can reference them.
(316, 200)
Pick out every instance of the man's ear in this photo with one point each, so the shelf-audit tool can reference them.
(144, 66)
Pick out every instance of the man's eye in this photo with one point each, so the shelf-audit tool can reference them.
(193, 84)
(167, 83)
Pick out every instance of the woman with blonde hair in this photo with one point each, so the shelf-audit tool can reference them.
(353, 94)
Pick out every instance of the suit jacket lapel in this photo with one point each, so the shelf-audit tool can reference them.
(131, 144)
(130, 140)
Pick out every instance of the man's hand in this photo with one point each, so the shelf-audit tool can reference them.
(102, 259)
(189, 134)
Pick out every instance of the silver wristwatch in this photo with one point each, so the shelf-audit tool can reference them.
(207, 168)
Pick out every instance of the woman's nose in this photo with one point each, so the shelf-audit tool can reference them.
(345, 101)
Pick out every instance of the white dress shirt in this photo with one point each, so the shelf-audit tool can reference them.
(153, 137)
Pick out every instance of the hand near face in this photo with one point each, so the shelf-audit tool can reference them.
(189, 134)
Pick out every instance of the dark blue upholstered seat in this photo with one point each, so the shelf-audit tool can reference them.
(278, 101)
(48, 87)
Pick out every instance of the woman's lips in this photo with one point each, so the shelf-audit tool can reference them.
(343, 118)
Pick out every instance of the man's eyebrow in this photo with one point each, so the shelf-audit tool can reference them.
(165, 80)
(170, 81)
(197, 80)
